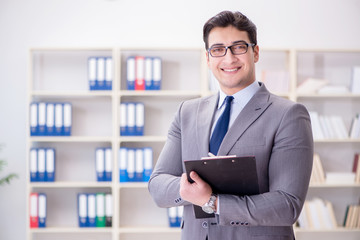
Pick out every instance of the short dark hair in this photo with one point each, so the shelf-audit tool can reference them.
(227, 18)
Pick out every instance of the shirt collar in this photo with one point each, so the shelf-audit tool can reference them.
(242, 97)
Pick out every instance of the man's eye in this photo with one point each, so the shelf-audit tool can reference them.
(217, 50)
(239, 47)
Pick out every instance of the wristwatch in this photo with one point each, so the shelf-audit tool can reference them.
(209, 207)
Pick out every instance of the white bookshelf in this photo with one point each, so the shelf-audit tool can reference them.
(60, 74)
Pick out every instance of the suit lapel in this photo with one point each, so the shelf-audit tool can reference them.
(253, 109)
(206, 112)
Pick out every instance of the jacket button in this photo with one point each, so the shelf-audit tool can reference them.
(204, 224)
(232, 223)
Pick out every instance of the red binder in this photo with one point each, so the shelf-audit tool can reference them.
(33, 208)
(140, 73)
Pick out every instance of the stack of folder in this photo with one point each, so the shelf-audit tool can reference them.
(132, 119)
(143, 73)
(175, 216)
(352, 216)
(100, 73)
(103, 163)
(95, 209)
(50, 119)
(42, 164)
(135, 164)
(37, 210)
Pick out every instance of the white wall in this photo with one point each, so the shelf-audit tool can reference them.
(149, 23)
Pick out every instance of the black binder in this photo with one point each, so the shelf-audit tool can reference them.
(226, 175)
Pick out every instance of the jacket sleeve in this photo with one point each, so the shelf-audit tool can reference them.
(164, 183)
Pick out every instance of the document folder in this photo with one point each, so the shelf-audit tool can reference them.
(226, 175)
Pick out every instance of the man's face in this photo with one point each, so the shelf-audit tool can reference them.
(234, 72)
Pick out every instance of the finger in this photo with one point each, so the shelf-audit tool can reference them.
(195, 177)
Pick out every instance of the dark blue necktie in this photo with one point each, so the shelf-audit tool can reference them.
(221, 127)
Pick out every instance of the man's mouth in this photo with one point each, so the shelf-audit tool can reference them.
(231, 69)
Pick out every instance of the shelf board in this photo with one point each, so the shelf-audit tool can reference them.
(160, 93)
(67, 94)
(327, 185)
(347, 140)
(133, 185)
(70, 184)
(149, 230)
(316, 95)
(143, 138)
(71, 230)
(327, 230)
(70, 139)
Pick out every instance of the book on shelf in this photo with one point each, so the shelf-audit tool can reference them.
(355, 81)
(276, 81)
(328, 126)
(356, 168)
(100, 73)
(132, 118)
(352, 216)
(175, 216)
(143, 73)
(354, 132)
(317, 174)
(135, 164)
(50, 119)
(103, 164)
(311, 85)
(317, 214)
(333, 89)
(42, 165)
(340, 178)
(37, 210)
(94, 209)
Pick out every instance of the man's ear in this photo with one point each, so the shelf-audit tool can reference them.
(256, 54)
(207, 58)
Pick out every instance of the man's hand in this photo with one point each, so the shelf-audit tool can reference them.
(197, 193)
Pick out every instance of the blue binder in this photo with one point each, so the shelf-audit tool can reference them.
(92, 73)
(34, 119)
(41, 164)
(91, 198)
(83, 210)
(50, 165)
(100, 164)
(123, 119)
(157, 73)
(42, 119)
(123, 164)
(139, 119)
(108, 73)
(67, 113)
(148, 73)
(139, 165)
(131, 161)
(130, 73)
(148, 163)
(42, 210)
(100, 73)
(50, 119)
(108, 165)
(59, 119)
(33, 165)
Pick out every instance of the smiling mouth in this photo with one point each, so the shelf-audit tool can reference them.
(230, 69)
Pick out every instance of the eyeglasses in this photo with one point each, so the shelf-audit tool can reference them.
(236, 49)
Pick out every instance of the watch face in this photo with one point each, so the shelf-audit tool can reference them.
(208, 209)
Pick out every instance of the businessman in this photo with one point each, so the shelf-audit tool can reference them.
(242, 119)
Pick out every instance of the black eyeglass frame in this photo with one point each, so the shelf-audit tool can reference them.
(230, 47)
